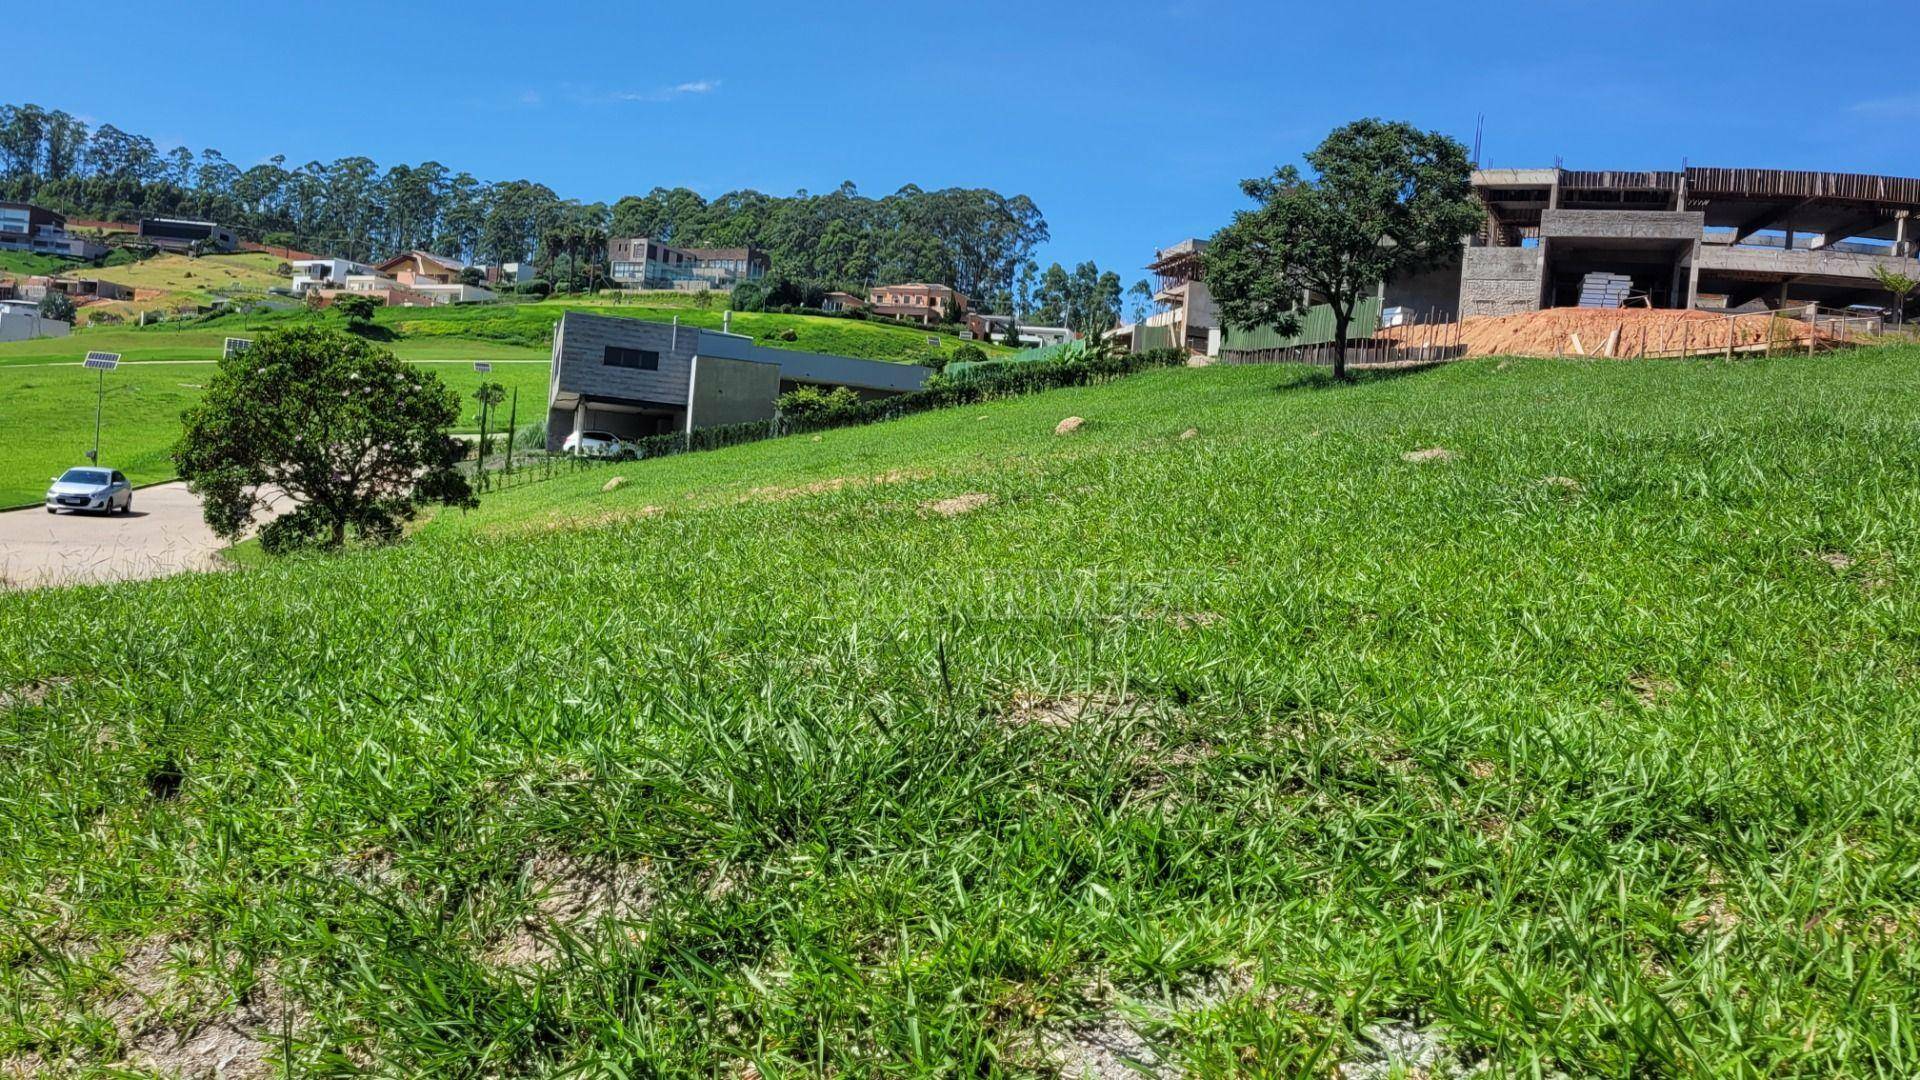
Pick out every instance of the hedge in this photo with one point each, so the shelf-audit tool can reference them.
(986, 382)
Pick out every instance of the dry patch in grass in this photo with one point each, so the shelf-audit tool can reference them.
(1649, 689)
(1565, 483)
(574, 895)
(1106, 1049)
(1034, 710)
(231, 1044)
(1431, 453)
(959, 504)
(1397, 1050)
(822, 487)
(1190, 433)
(614, 484)
(34, 692)
(1715, 915)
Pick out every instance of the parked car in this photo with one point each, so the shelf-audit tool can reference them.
(597, 444)
(90, 489)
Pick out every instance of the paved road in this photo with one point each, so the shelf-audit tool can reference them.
(163, 535)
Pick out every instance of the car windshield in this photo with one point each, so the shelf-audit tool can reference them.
(83, 476)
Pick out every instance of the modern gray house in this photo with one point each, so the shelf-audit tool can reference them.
(632, 378)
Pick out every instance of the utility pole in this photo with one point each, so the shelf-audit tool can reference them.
(99, 398)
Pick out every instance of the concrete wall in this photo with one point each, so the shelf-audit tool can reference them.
(1622, 224)
(1501, 280)
(733, 391)
(1818, 263)
(26, 325)
(1435, 292)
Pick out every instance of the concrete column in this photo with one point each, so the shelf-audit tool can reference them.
(1693, 277)
(1901, 246)
(579, 417)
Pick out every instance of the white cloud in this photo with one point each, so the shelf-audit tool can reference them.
(530, 97)
(666, 93)
(1893, 108)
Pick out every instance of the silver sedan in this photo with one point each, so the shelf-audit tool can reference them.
(105, 490)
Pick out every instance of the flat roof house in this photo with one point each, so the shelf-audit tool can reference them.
(26, 227)
(633, 378)
(324, 273)
(179, 234)
(639, 262)
(916, 302)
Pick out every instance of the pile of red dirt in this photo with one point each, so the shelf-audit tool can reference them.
(1620, 332)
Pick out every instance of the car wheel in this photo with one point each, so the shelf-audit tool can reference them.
(51, 510)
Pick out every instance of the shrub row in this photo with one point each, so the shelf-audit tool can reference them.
(985, 383)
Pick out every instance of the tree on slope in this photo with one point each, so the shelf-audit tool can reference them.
(354, 438)
(1383, 199)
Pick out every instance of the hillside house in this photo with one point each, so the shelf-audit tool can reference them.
(841, 301)
(180, 234)
(917, 302)
(26, 227)
(994, 328)
(633, 379)
(639, 262)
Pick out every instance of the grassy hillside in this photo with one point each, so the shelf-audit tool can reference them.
(49, 419)
(190, 282)
(47, 423)
(1220, 730)
(27, 263)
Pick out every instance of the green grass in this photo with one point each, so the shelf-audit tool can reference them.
(47, 424)
(1591, 747)
(27, 263)
(47, 419)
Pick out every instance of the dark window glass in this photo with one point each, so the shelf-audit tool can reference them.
(640, 359)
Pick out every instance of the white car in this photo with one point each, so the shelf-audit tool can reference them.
(90, 489)
(596, 444)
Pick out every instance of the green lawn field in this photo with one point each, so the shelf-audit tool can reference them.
(1513, 717)
(46, 403)
(46, 415)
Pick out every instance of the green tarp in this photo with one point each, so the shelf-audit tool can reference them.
(1316, 328)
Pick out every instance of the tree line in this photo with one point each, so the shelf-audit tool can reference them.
(974, 239)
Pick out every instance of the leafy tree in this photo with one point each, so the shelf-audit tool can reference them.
(1141, 294)
(1897, 284)
(1383, 199)
(489, 395)
(968, 353)
(358, 310)
(56, 305)
(354, 438)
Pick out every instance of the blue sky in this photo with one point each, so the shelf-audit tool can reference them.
(1129, 124)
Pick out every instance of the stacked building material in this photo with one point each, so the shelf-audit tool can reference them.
(1603, 290)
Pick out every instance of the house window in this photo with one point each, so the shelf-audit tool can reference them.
(639, 359)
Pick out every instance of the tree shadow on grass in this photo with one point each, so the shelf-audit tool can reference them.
(373, 332)
(1316, 377)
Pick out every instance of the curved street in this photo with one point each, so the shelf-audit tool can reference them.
(163, 535)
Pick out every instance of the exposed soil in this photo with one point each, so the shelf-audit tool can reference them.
(1641, 332)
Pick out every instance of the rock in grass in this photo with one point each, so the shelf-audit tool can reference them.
(1431, 453)
(1190, 433)
(612, 484)
(1068, 426)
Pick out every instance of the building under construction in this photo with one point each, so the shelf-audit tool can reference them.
(1699, 237)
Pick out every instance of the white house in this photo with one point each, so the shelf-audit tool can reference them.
(324, 273)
